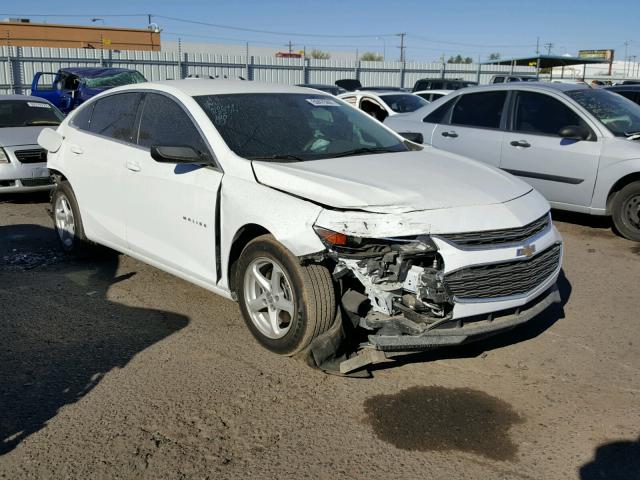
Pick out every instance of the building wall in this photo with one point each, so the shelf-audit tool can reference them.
(74, 36)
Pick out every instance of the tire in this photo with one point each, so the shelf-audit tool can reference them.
(300, 300)
(625, 211)
(67, 221)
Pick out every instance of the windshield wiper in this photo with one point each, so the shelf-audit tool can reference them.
(632, 135)
(34, 123)
(363, 150)
(278, 158)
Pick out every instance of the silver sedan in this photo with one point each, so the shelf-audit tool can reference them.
(23, 163)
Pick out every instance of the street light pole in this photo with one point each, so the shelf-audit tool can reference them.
(384, 47)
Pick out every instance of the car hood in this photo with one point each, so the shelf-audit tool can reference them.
(393, 182)
(15, 136)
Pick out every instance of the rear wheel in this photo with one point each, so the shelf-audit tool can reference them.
(625, 211)
(285, 305)
(67, 221)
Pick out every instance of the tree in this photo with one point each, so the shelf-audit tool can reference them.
(371, 57)
(458, 59)
(494, 56)
(320, 55)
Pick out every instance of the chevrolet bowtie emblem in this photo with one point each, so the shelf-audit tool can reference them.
(526, 251)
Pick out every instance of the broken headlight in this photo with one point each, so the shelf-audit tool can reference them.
(358, 246)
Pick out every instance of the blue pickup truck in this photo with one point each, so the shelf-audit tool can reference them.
(69, 87)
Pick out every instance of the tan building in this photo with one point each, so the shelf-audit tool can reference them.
(26, 34)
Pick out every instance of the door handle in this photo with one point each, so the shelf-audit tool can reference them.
(450, 133)
(133, 166)
(76, 149)
(520, 143)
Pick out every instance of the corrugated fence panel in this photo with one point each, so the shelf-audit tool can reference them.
(19, 64)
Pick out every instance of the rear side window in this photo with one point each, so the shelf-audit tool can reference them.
(164, 122)
(498, 80)
(114, 116)
(542, 114)
(439, 115)
(482, 110)
(82, 117)
(633, 96)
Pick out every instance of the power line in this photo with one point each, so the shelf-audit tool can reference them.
(431, 40)
(271, 32)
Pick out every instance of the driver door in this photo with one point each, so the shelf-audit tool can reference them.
(171, 209)
(564, 171)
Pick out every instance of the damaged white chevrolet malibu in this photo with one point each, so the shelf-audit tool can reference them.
(316, 218)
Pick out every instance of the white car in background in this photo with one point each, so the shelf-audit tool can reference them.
(22, 161)
(299, 206)
(578, 146)
(432, 95)
(381, 105)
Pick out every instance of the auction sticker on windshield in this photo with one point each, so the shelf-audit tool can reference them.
(38, 105)
(322, 102)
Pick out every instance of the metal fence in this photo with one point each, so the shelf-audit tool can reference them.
(19, 64)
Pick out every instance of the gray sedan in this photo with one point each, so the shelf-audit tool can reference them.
(23, 163)
(580, 147)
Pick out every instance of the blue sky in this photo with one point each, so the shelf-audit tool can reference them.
(468, 27)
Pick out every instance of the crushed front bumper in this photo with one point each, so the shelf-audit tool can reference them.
(460, 331)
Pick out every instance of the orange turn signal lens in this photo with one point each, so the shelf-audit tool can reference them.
(331, 237)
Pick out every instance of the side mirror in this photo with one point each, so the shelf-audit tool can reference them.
(50, 140)
(574, 132)
(178, 154)
(414, 137)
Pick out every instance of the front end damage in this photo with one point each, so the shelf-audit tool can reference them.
(415, 293)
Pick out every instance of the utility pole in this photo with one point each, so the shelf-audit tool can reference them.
(149, 19)
(626, 46)
(548, 46)
(402, 46)
(290, 45)
(537, 46)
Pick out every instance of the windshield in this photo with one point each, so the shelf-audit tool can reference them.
(115, 80)
(404, 103)
(23, 113)
(619, 115)
(295, 127)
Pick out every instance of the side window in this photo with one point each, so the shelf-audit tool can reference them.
(82, 117)
(482, 110)
(114, 116)
(350, 100)
(498, 80)
(633, 96)
(164, 122)
(439, 115)
(542, 114)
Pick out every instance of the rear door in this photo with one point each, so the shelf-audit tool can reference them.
(171, 209)
(563, 170)
(474, 126)
(97, 148)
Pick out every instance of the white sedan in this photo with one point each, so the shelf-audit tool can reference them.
(432, 95)
(381, 105)
(23, 165)
(306, 211)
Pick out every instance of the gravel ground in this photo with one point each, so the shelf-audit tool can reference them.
(110, 368)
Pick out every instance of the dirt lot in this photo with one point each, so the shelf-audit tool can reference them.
(112, 369)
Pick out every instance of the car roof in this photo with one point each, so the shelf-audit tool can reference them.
(216, 87)
(548, 86)
(441, 91)
(25, 98)
(629, 87)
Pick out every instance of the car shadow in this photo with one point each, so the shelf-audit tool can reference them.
(522, 333)
(26, 197)
(60, 334)
(592, 221)
(618, 460)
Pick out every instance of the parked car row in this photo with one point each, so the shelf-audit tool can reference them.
(298, 206)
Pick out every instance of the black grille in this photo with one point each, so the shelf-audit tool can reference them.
(496, 237)
(504, 279)
(35, 155)
(35, 182)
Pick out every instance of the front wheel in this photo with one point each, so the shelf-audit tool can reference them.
(66, 219)
(625, 211)
(284, 304)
